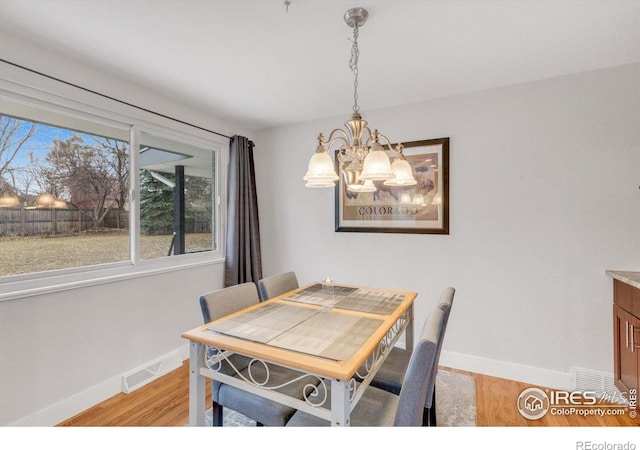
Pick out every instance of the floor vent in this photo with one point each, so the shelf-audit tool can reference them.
(601, 383)
(142, 375)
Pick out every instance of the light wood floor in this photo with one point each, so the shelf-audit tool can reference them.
(165, 402)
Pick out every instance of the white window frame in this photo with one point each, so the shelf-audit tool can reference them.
(77, 103)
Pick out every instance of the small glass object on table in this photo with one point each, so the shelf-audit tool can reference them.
(328, 294)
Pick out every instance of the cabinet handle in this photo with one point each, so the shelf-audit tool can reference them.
(632, 343)
(626, 322)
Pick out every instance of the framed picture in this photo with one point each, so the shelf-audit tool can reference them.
(421, 208)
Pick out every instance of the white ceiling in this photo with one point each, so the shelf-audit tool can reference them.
(255, 63)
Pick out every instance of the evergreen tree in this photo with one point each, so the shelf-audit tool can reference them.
(156, 204)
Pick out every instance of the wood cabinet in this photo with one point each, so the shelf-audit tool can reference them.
(626, 336)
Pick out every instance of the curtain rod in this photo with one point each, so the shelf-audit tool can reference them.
(112, 98)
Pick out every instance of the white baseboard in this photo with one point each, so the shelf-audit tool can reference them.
(511, 371)
(70, 406)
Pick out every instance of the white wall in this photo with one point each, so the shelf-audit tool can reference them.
(544, 198)
(63, 352)
(78, 342)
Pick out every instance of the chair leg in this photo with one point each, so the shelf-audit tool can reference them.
(429, 414)
(432, 410)
(216, 415)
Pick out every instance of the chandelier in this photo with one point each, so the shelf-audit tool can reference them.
(361, 156)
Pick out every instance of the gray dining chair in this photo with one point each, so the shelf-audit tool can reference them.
(277, 285)
(378, 407)
(223, 302)
(391, 374)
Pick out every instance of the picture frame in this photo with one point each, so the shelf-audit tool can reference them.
(420, 209)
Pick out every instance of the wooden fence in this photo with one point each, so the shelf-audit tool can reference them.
(35, 222)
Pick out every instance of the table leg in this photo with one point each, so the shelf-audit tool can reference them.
(340, 404)
(196, 385)
(408, 333)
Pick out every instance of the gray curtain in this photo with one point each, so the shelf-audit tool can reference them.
(243, 257)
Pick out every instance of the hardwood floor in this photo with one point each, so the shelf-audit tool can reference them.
(165, 402)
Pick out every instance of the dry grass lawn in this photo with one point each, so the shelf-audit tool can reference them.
(35, 254)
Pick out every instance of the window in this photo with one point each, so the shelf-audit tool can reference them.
(63, 197)
(65, 190)
(176, 198)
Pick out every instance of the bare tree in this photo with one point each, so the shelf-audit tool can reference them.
(14, 133)
(83, 175)
(117, 159)
(23, 178)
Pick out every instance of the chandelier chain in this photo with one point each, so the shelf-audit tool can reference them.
(353, 65)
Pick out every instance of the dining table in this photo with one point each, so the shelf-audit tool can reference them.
(336, 335)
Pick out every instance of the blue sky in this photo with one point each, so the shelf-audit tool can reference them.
(40, 143)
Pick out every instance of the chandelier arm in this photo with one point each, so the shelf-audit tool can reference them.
(342, 150)
(368, 130)
(386, 139)
(372, 139)
(342, 155)
(338, 139)
(397, 149)
(343, 136)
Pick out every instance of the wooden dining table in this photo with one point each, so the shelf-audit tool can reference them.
(337, 335)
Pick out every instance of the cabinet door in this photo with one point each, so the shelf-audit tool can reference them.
(626, 344)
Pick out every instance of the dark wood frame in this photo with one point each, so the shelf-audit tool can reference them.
(444, 173)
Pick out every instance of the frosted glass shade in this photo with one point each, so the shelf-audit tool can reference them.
(376, 166)
(320, 184)
(403, 174)
(367, 186)
(320, 170)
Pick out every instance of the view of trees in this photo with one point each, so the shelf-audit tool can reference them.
(89, 174)
(93, 178)
(156, 202)
(14, 133)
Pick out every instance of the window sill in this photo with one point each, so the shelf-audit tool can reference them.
(85, 277)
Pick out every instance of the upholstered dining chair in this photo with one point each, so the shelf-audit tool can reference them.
(391, 374)
(378, 407)
(226, 301)
(277, 285)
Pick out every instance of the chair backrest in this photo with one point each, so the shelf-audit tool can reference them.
(277, 285)
(446, 302)
(419, 371)
(228, 300)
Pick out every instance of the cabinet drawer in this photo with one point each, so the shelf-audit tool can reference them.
(626, 297)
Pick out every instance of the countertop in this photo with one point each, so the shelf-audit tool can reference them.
(632, 278)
